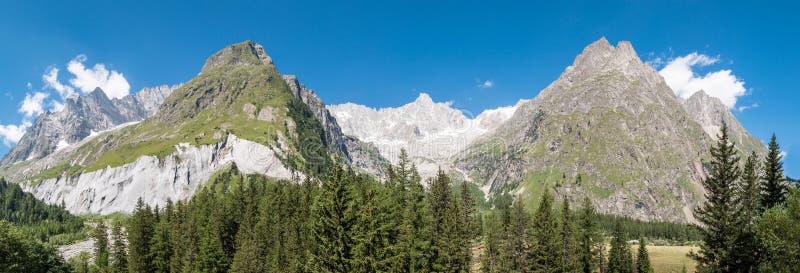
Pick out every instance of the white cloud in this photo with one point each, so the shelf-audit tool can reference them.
(747, 107)
(486, 84)
(50, 79)
(56, 106)
(683, 80)
(87, 79)
(11, 133)
(784, 154)
(32, 104)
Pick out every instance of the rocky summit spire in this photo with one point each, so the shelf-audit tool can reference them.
(601, 55)
(244, 53)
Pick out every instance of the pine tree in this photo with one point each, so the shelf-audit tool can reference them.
(569, 250)
(589, 237)
(620, 259)
(468, 211)
(100, 236)
(416, 230)
(546, 254)
(449, 245)
(643, 258)
(747, 250)
(211, 257)
(774, 188)
(373, 228)
(119, 256)
(333, 224)
(247, 258)
(140, 232)
(718, 213)
(494, 232)
(160, 245)
(516, 240)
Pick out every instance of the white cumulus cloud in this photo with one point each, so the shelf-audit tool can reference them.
(50, 79)
(33, 104)
(87, 79)
(486, 84)
(680, 75)
(11, 133)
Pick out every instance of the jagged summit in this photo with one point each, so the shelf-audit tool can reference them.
(601, 55)
(709, 112)
(244, 53)
(609, 119)
(81, 116)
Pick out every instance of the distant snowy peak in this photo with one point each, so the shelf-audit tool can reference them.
(430, 131)
(82, 115)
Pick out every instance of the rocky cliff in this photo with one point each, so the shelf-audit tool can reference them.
(239, 109)
(710, 112)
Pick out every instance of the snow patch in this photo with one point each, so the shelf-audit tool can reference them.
(61, 145)
(431, 132)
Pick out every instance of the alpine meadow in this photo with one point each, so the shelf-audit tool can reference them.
(626, 162)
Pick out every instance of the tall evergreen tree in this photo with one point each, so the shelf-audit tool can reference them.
(620, 259)
(160, 245)
(247, 258)
(333, 225)
(373, 228)
(718, 213)
(515, 246)
(468, 212)
(589, 237)
(449, 244)
(140, 232)
(747, 250)
(569, 250)
(415, 233)
(643, 258)
(100, 236)
(546, 254)
(119, 256)
(774, 187)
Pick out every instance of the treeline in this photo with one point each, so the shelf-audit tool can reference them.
(348, 223)
(751, 216)
(353, 223)
(556, 239)
(35, 218)
(675, 233)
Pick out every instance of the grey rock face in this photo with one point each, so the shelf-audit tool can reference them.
(609, 119)
(246, 53)
(80, 117)
(709, 112)
(362, 155)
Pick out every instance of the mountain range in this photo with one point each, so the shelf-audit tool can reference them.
(608, 128)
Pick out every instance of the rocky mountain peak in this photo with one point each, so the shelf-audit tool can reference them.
(601, 56)
(244, 53)
(710, 112)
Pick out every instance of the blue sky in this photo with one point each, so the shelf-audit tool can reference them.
(382, 53)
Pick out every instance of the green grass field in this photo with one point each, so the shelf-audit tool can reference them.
(666, 259)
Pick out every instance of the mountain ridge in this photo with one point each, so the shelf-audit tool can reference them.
(238, 110)
(81, 116)
(609, 128)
